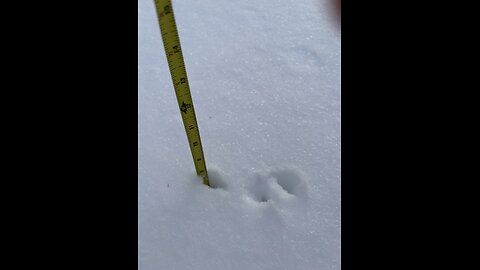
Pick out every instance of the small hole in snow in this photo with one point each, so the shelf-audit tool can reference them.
(216, 180)
(263, 199)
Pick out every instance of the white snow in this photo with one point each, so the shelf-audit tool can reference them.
(265, 81)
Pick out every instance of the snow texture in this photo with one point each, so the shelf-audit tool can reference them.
(265, 80)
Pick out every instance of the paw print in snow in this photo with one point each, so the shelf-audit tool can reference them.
(278, 186)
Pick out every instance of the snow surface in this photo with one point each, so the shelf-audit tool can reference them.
(265, 80)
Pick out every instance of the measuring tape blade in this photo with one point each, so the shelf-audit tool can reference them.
(173, 50)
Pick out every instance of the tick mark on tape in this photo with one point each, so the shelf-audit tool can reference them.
(184, 107)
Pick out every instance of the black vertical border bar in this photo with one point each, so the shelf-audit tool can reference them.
(78, 90)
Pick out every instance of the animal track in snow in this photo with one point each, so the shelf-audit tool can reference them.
(278, 186)
(303, 59)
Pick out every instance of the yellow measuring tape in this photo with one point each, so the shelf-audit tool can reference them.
(173, 50)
